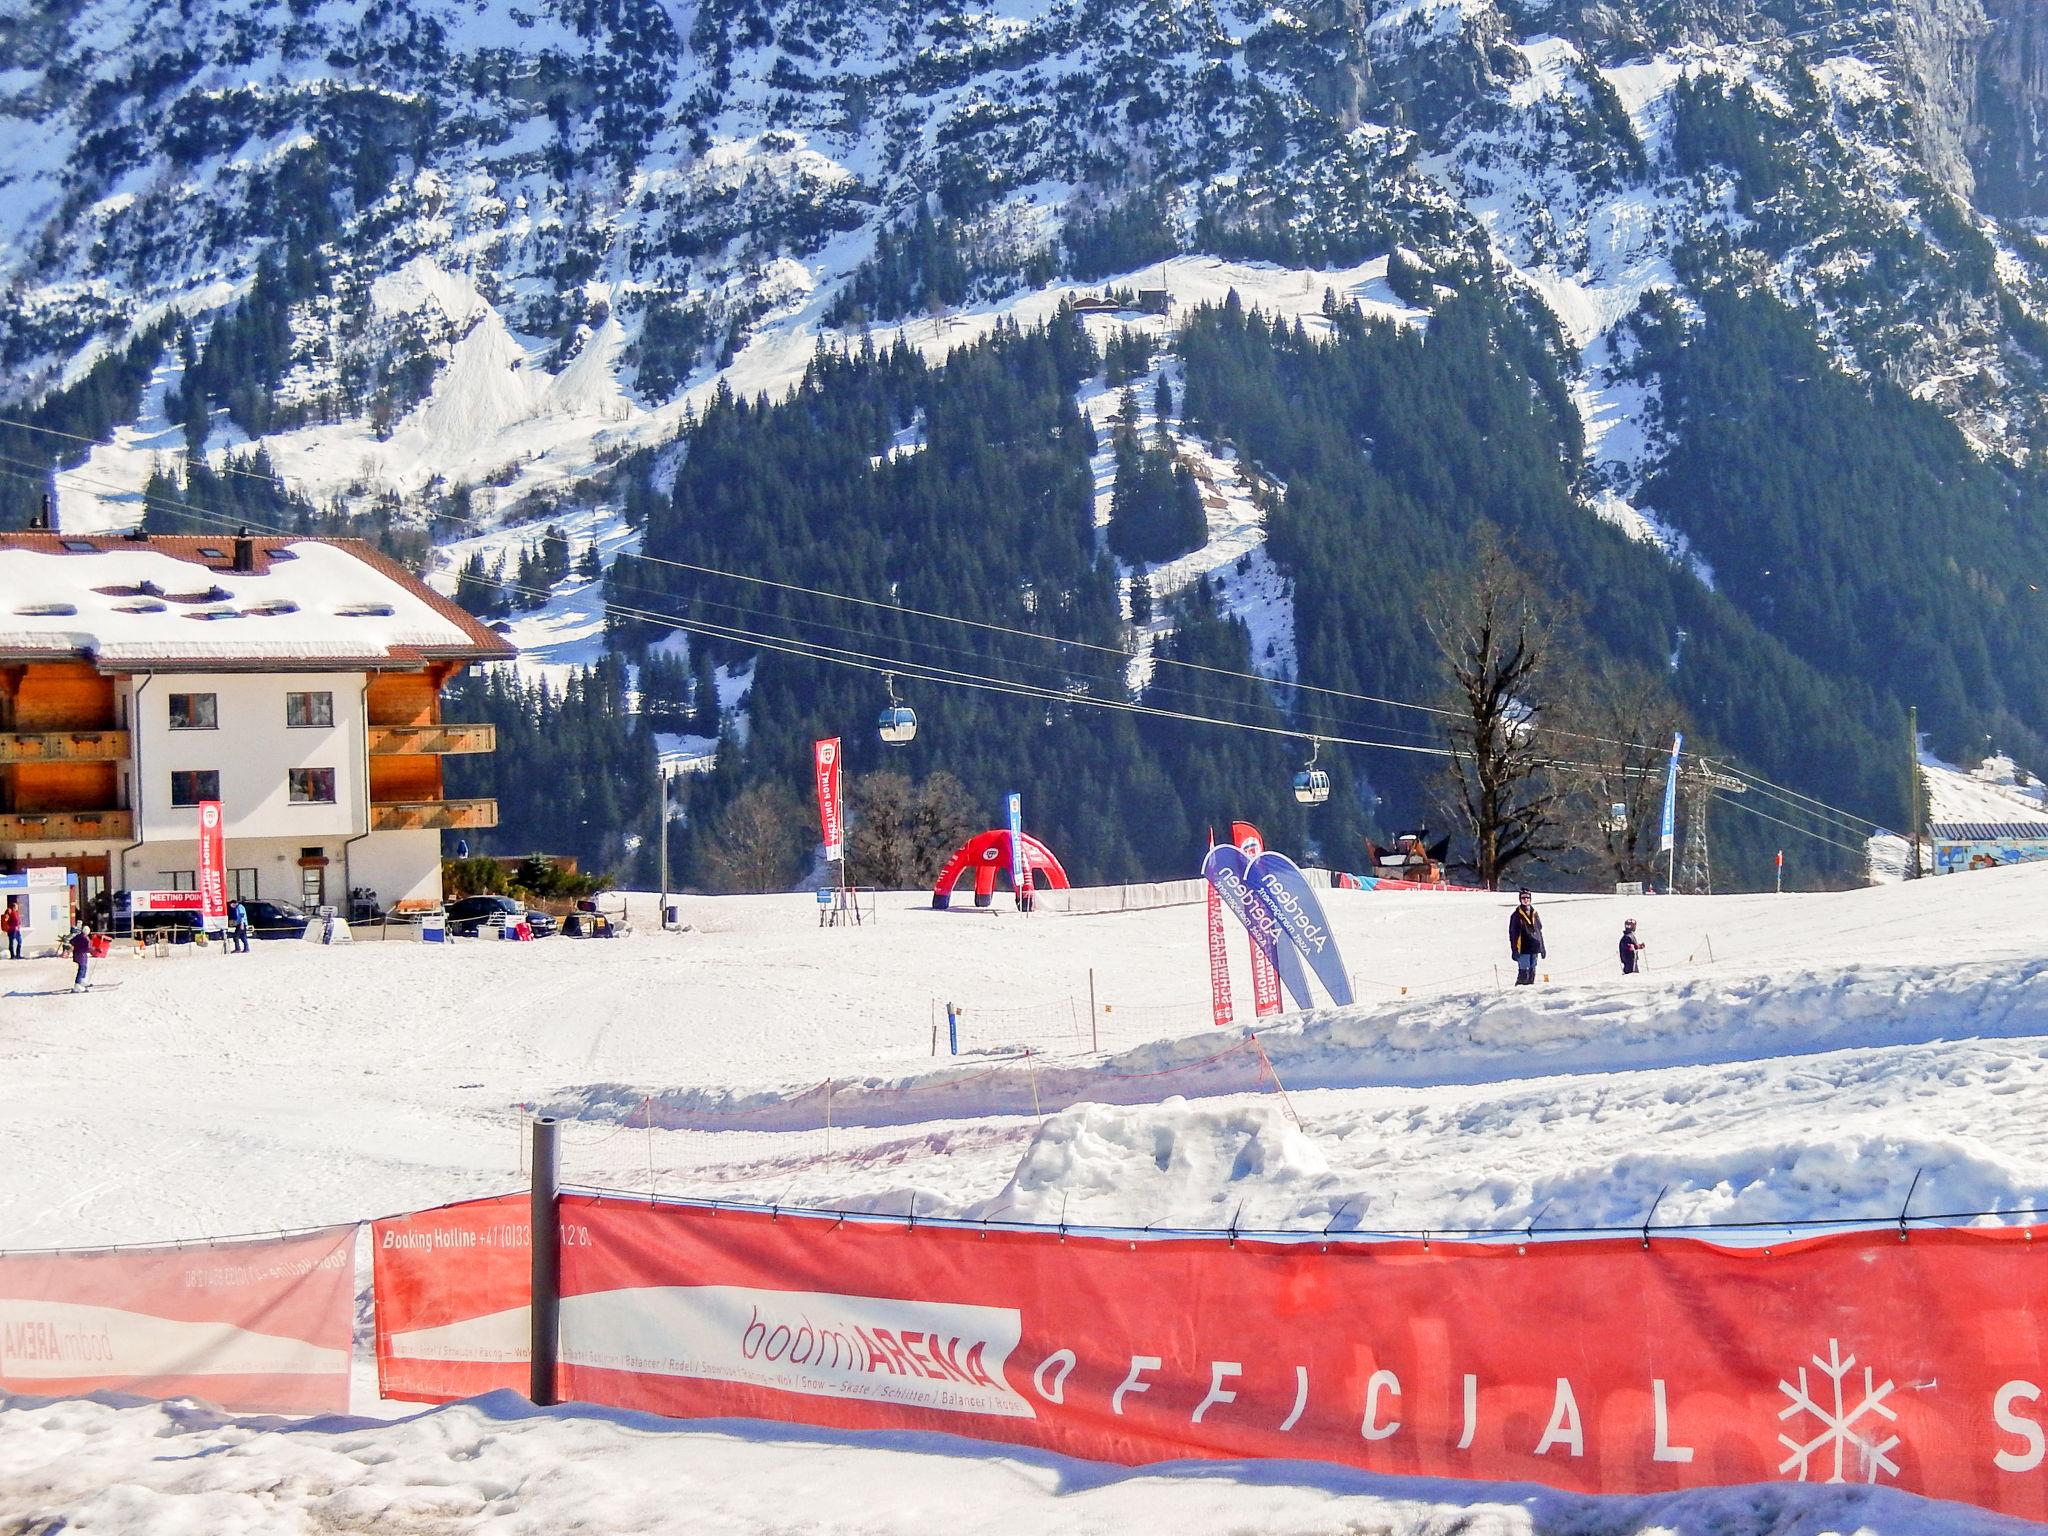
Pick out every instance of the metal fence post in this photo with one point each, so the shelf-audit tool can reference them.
(547, 1265)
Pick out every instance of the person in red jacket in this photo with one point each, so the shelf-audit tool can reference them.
(10, 924)
(1525, 939)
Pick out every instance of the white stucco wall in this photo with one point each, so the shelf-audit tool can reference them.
(398, 866)
(252, 749)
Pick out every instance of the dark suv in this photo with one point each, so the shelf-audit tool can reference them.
(275, 919)
(472, 914)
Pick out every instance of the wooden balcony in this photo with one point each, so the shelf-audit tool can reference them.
(433, 815)
(75, 826)
(431, 740)
(63, 746)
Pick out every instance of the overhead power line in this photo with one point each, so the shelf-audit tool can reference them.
(991, 627)
(923, 671)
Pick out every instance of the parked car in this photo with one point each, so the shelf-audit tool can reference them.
(472, 914)
(275, 919)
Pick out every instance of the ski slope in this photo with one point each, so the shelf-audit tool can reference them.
(1784, 1058)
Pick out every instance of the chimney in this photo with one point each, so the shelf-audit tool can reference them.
(245, 551)
(40, 523)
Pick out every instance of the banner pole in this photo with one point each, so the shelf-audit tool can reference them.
(1094, 1038)
(547, 1265)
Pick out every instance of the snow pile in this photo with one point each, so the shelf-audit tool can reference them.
(499, 1464)
(1199, 1161)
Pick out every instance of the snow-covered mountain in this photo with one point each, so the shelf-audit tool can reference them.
(520, 234)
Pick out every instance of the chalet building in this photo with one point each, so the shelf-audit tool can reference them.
(296, 681)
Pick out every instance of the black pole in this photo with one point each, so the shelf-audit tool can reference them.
(547, 1266)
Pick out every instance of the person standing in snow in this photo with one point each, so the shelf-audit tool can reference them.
(81, 955)
(10, 924)
(1525, 939)
(238, 926)
(1631, 947)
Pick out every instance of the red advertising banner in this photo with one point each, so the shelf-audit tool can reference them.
(831, 820)
(256, 1327)
(1219, 961)
(1602, 1366)
(213, 865)
(1266, 1002)
(453, 1288)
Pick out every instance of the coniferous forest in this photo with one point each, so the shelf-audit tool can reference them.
(1862, 558)
(1393, 445)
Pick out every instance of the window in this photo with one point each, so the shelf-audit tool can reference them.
(195, 712)
(312, 786)
(189, 786)
(177, 880)
(242, 884)
(309, 709)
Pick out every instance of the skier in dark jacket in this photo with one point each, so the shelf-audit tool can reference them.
(1631, 947)
(81, 955)
(1525, 940)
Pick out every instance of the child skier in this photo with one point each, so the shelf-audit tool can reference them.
(1631, 947)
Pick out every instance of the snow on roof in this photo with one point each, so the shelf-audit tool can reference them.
(1991, 831)
(126, 603)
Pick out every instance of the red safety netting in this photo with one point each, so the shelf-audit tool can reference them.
(258, 1326)
(453, 1288)
(1611, 1366)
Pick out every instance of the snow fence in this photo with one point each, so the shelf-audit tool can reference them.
(1912, 1357)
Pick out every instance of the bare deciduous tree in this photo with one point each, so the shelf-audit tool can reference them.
(1624, 718)
(757, 841)
(1502, 631)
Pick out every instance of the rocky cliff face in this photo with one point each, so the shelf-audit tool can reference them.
(584, 212)
(2009, 147)
(1939, 44)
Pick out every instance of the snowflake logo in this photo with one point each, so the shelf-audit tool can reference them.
(1855, 1448)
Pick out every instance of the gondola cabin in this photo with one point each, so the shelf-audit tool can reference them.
(1312, 786)
(897, 725)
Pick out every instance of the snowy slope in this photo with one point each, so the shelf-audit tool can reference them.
(1997, 790)
(1784, 1058)
(1895, 990)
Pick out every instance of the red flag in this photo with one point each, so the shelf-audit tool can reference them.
(213, 866)
(1219, 960)
(1265, 980)
(825, 763)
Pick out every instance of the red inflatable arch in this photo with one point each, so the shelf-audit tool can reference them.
(988, 854)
